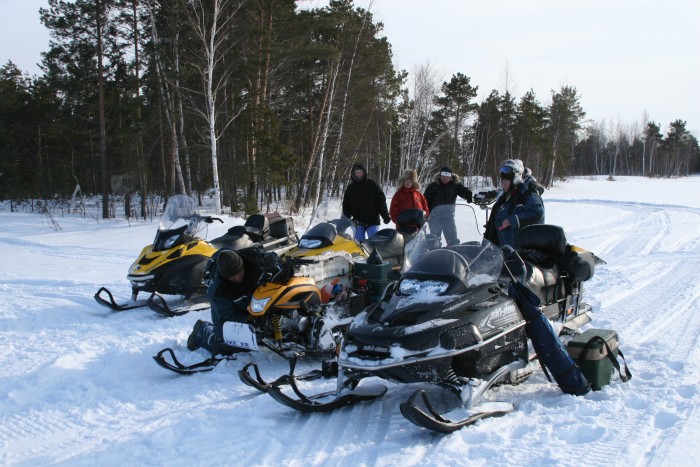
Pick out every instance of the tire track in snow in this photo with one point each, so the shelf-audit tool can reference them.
(98, 255)
(36, 437)
(642, 273)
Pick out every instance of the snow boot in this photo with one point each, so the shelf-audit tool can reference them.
(200, 334)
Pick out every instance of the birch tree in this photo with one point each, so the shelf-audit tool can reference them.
(416, 150)
(211, 21)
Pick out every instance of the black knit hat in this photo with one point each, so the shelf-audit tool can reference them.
(229, 263)
(445, 169)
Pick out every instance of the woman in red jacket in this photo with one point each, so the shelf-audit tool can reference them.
(407, 195)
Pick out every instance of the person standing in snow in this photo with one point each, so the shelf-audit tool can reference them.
(407, 196)
(364, 202)
(518, 205)
(236, 278)
(444, 190)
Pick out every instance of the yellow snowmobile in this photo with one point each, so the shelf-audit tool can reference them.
(326, 280)
(174, 264)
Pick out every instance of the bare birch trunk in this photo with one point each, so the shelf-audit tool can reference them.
(101, 103)
(316, 137)
(324, 137)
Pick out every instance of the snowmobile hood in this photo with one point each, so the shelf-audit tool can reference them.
(319, 236)
(151, 259)
(329, 230)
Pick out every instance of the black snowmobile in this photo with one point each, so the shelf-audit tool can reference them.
(174, 264)
(449, 321)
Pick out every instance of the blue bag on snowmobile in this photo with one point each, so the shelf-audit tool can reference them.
(550, 350)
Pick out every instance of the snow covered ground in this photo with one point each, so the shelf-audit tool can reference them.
(78, 385)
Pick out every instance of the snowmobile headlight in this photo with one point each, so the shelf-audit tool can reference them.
(414, 286)
(258, 304)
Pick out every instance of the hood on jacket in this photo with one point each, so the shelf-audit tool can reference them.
(409, 174)
(358, 165)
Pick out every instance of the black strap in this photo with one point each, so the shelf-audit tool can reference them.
(624, 378)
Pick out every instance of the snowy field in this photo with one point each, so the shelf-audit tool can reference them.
(78, 385)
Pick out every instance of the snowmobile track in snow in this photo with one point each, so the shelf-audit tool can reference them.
(81, 389)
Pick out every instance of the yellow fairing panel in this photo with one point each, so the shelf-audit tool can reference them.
(148, 260)
(285, 296)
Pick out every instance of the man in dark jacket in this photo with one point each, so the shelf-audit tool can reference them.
(444, 190)
(364, 202)
(519, 205)
(236, 278)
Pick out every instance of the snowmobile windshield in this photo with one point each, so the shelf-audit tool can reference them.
(440, 272)
(180, 223)
(483, 259)
(326, 222)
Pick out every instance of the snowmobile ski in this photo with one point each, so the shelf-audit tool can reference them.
(315, 403)
(112, 304)
(261, 385)
(181, 369)
(433, 420)
(158, 304)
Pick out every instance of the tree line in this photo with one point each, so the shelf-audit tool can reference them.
(254, 101)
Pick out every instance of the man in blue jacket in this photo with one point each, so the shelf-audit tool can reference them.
(518, 206)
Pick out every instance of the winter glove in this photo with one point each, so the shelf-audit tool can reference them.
(469, 197)
(387, 220)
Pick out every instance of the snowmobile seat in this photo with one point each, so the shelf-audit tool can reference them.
(257, 227)
(574, 264)
(389, 244)
(235, 238)
(549, 239)
(410, 220)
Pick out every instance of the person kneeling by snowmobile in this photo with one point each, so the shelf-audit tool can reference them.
(236, 274)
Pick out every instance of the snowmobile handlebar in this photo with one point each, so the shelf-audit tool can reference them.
(210, 219)
(485, 198)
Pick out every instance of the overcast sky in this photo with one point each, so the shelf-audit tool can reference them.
(625, 57)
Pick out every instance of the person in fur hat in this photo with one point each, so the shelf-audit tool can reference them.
(444, 190)
(407, 196)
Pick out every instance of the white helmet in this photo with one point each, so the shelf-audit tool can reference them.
(515, 167)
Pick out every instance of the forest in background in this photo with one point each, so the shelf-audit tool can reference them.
(256, 101)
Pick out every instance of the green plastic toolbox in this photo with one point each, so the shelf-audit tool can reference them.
(591, 355)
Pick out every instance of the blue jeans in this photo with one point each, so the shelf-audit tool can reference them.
(360, 231)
